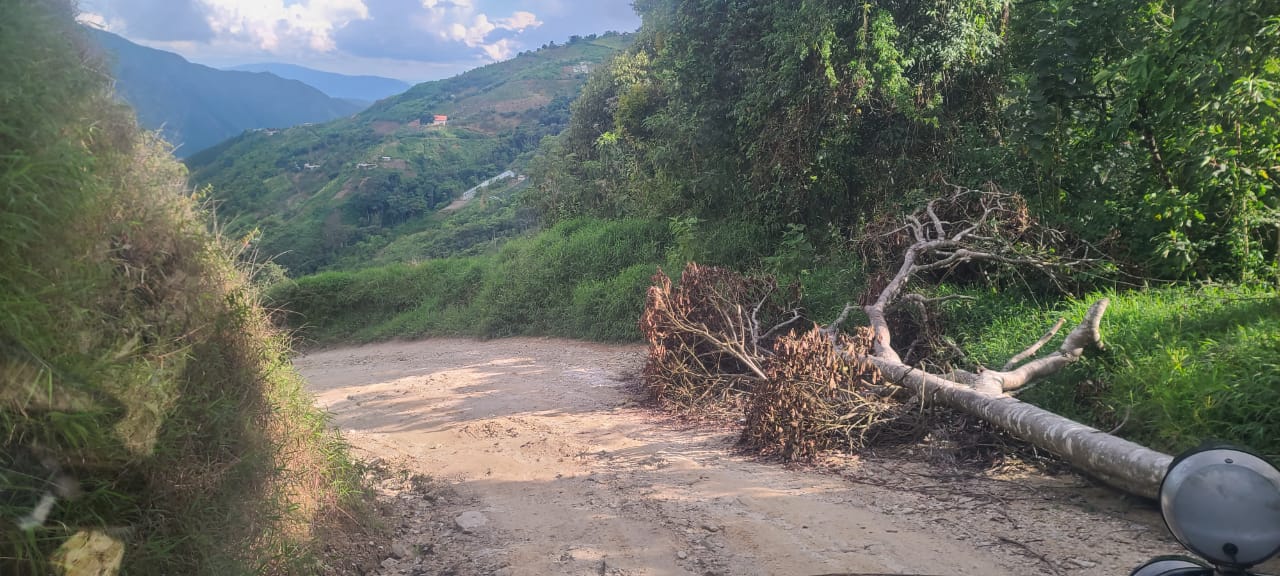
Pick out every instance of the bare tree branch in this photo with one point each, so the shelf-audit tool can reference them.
(988, 238)
(1086, 335)
(1123, 464)
(925, 301)
(933, 216)
(1031, 351)
(917, 228)
(834, 326)
(755, 321)
(796, 316)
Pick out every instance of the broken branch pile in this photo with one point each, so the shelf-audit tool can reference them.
(706, 347)
(709, 352)
(816, 399)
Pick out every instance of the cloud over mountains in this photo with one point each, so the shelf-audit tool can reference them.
(420, 39)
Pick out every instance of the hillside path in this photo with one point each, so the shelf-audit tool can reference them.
(544, 463)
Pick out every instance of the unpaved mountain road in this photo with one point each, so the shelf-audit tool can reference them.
(544, 463)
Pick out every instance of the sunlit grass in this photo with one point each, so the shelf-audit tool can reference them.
(1182, 364)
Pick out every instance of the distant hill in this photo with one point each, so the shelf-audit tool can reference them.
(358, 88)
(197, 106)
(337, 194)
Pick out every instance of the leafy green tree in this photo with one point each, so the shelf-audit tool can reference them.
(1155, 122)
(813, 114)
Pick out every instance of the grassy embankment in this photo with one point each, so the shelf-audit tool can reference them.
(1182, 364)
(139, 379)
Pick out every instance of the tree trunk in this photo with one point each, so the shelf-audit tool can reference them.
(1116, 461)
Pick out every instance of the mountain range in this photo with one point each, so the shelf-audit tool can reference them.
(358, 89)
(196, 106)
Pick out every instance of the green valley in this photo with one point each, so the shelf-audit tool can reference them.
(336, 194)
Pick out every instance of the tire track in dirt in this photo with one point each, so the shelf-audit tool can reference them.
(544, 463)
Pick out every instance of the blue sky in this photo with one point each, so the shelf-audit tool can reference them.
(414, 40)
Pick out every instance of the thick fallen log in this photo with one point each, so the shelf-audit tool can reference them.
(1116, 461)
(940, 245)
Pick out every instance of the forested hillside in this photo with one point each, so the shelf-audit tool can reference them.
(336, 194)
(1143, 137)
(196, 106)
(150, 421)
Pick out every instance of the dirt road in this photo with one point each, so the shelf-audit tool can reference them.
(544, 463)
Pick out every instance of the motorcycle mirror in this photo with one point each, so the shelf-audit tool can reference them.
(1173, 566)
(1223, 504)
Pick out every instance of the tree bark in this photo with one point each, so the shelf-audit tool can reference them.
(1123, 464)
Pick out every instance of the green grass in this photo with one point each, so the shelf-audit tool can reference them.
(583, 278)
(1182, 364)
(134, 358)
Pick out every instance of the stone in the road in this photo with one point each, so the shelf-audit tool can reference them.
(470, 521)
(401, 550)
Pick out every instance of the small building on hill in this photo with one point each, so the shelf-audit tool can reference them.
(440, 120)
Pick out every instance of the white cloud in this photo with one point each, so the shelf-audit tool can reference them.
(92, 19)
(416, 39)
(275, 26)
(460, 21)
(473, 35)
(500, 50)
(519, 21)
(441, 9)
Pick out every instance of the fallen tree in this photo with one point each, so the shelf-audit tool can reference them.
(984, 232)
(720, 335)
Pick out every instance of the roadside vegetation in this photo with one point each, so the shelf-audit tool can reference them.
(149, 416)
(778, 139)
(583, 278)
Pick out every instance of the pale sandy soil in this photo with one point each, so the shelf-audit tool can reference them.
(546, 442)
